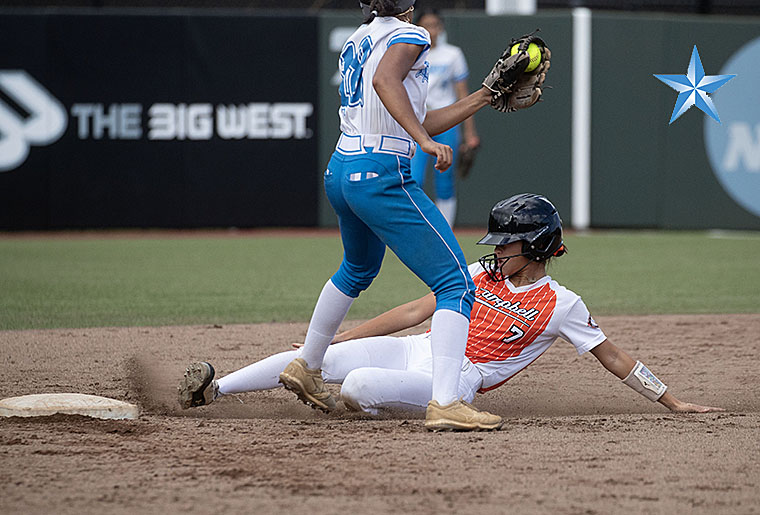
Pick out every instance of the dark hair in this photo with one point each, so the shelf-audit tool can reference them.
(383, 8)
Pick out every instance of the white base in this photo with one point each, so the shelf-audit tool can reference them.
(66, 403)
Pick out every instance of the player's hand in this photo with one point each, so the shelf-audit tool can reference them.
(688, 407)
(298, 345)
(443, 154)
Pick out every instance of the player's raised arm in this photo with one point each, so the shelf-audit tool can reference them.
(641, 379)
(508, 87)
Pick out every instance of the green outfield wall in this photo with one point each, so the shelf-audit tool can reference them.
(645, 172)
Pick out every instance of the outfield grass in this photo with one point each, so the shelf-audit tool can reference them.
(133, 281)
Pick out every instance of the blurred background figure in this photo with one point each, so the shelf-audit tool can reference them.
(448, 74)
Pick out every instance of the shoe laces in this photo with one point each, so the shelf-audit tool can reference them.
(468, 404)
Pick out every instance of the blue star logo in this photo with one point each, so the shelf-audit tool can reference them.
(693, 88)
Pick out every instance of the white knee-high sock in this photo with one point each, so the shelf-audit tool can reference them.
(448, 207)
(262, 375)
(448, 341)
(331, 309)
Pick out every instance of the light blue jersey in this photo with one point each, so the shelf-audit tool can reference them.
(361, 110)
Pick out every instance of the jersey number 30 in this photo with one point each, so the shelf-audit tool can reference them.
(352, 61)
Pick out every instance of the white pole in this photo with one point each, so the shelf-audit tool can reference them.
(497, 7)
(581, 139)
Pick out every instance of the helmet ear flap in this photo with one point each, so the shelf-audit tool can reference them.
(529, 249)
(543, 253)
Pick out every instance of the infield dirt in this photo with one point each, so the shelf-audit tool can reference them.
(576, 440)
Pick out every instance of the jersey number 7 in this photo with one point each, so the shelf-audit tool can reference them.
(517, 333)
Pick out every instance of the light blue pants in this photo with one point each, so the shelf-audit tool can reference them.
(444, 181)
(379, 204)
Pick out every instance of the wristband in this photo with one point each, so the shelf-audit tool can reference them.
(641, 379)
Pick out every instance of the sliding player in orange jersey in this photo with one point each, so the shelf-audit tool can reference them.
(519, 311)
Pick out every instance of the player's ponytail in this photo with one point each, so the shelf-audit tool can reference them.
(375, 8)
(373, 11)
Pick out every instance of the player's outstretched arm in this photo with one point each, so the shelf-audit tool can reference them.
(441, 120)
(397, 319)
(471, 139)
(638, 377)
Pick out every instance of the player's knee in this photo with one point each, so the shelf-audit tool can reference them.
(458, 299)
(357, 392)
(353, 280)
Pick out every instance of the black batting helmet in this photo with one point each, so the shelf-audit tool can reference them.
(528, 218)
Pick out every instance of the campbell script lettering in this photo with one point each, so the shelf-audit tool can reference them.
(496, 302)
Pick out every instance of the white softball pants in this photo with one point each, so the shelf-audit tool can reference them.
(375, 373)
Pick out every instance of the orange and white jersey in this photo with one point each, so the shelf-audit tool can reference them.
(510, 327)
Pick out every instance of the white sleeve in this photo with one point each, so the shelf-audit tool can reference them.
(475, 269)
(413, 35)
(459, 67)
(580, 329)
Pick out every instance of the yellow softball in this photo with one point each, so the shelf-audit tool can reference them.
(533, 52)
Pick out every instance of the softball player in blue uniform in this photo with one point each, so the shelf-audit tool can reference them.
(384, 80)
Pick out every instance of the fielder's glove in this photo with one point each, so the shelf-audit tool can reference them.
(513, 88)
(465, 160)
